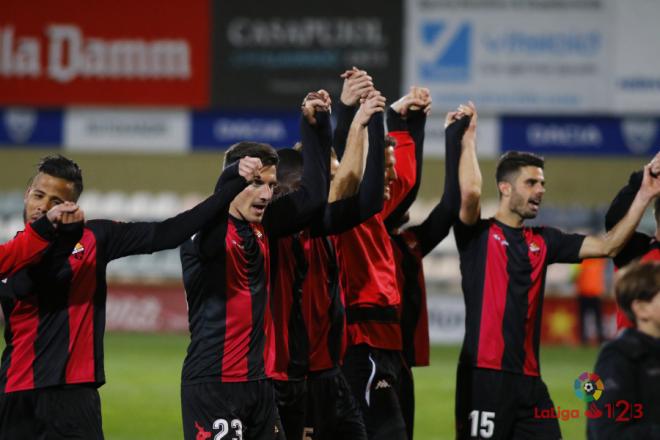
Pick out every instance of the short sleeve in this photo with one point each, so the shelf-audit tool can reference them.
(464, 234)
(562, 247)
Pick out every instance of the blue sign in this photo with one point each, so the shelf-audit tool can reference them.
(449, 48)
(30, 127)
(211, 130)
(581, 135)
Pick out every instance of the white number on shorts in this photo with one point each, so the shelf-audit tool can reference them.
(307, 433)
(483, 423)
(238, 426)
(223, 427)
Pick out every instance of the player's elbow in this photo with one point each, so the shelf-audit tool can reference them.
(609, 249)
(470, 194)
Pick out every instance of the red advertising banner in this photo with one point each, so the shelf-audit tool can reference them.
(119, 52)
(144, 308)
(561, 321)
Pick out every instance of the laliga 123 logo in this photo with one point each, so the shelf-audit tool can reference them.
(446, 51)
(588, 387)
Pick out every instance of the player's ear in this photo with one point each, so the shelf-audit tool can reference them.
(504, 187)
(640, 309)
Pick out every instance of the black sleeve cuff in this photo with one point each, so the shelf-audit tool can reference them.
(44, 228)
(229, 173)
(395, 122)
(347, 111)
(71, 228)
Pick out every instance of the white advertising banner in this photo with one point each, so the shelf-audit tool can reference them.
(512, 55)
(126, 130)
(637, 63)
(446, 318)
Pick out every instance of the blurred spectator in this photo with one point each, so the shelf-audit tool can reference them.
(590, 285)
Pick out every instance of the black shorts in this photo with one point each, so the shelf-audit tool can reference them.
(332, 411)
(290, 398)
(373, 375)
(242, 410)
(69, 412)
(493, 404)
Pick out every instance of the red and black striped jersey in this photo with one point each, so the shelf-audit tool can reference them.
(412, 285)
(323, 304)
(54, 334)
(55, 311)
(291, 346)
(228, 308)
(27, 247)
(367, 264)
(227, 276)
(503, 279)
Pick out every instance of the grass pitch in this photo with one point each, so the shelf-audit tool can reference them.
(141, 399)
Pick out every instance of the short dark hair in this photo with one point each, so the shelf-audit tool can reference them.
(512, 161)
(63, 168)
(265, 152)
(289, 170)
(639, 280)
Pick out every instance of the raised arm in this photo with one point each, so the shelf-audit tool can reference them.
(357, 85)
(122, 239)
(404, 152)
(415, 117)
(639, 242)
(294, 211)
(345, 214)
(469, 174)
(615, 239)
(351, 168)
(438, 223)
(28, 247)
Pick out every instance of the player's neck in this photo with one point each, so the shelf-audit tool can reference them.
(649, 328)
(509, 217)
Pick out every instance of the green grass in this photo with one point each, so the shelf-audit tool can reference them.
(141, 399)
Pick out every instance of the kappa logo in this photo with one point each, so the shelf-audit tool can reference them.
(500, 239)
(381, 384)
(78, 251)
(534, 248)
(446, 55)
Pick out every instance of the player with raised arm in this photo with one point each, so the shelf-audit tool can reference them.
(411, 244)
(629, 406)
(29, 245)
(308, 264)
(52, 364)
(640, 245)
(503, 266)
(373, 362)
(226, 270)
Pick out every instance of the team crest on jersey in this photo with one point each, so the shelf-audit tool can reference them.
(78, 251)
(534, 248)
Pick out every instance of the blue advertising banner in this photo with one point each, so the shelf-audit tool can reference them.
(30, 127)
(581, 135)
(211, 130)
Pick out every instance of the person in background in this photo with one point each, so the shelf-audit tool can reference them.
(629, 366)
(590, 285)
